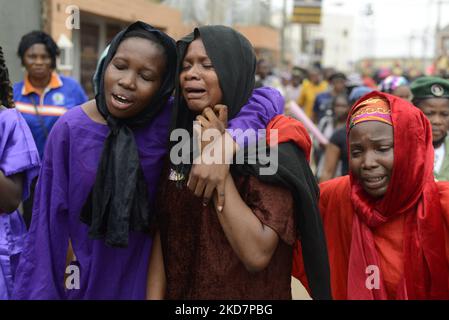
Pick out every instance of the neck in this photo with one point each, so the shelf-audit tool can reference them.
(439, 143)
(40, 83)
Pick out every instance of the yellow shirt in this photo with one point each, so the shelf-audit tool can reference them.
(308, 93)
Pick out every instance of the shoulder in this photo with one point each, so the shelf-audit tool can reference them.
(273, 205)
(446, 144)
(10, 114)
(265, 92)
(323, 95)
(263, 194)
(306, 84)
(12, 118)
(335, 201)
(17, 88)
(69, 119)
(340, 183)
(267, 96)
(337, 186)
(68, 81)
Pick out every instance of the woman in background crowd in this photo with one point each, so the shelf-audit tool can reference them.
(44, 95)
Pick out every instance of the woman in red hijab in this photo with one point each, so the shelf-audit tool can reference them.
(386, 224)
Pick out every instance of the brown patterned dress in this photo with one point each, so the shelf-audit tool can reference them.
(199, 261)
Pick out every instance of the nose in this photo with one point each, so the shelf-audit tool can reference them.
(192, 73)
(128, 81)
(437, 120)
(369, 161)
(39, 60)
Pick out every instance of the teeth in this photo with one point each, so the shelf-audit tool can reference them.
(374, 179)
(121, 98)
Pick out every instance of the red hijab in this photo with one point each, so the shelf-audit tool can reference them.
(412, 192)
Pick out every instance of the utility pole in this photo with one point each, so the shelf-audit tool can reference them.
(437, 27)
(283, 27)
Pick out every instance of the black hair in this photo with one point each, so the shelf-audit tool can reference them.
(35, 37)
(337, 75)
(6, 97)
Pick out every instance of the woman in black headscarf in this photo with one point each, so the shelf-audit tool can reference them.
(244, 250)
(103, 163)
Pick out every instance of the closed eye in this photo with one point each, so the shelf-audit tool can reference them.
(355, 153)
(119, 66)
(186, 67)
(147, 76)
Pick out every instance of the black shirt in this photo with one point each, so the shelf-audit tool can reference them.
(339, 139)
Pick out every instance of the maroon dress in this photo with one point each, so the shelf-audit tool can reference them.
(199, 261)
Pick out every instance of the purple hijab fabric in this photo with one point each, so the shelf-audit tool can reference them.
(18, 154)
(68, 173)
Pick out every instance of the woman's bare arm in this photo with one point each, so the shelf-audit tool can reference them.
(331, 158)
(156, 282)
(252, 241)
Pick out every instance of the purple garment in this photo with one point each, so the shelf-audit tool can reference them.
(68, 172)
(18, 154)
(69, 167)
(264, 104)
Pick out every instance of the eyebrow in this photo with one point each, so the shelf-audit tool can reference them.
(381, 139)
(202, 57)
(146, 66)
(373, 140)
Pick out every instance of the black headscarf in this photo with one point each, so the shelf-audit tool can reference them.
(234, 62)
(293, 172)
(119, 199)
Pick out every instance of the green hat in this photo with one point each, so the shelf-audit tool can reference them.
(430, 87)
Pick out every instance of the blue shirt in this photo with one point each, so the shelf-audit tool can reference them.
(322, 103)
(42, 111)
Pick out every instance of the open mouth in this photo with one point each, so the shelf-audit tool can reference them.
(121, 102)
(194, 93)
(374, 182)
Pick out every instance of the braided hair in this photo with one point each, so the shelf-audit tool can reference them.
(6, 97)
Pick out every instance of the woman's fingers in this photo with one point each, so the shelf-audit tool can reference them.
(220, 195)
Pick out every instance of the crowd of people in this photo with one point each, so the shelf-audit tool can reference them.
(120, 188)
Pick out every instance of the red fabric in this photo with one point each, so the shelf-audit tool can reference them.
(290, 129)
(412, 192)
